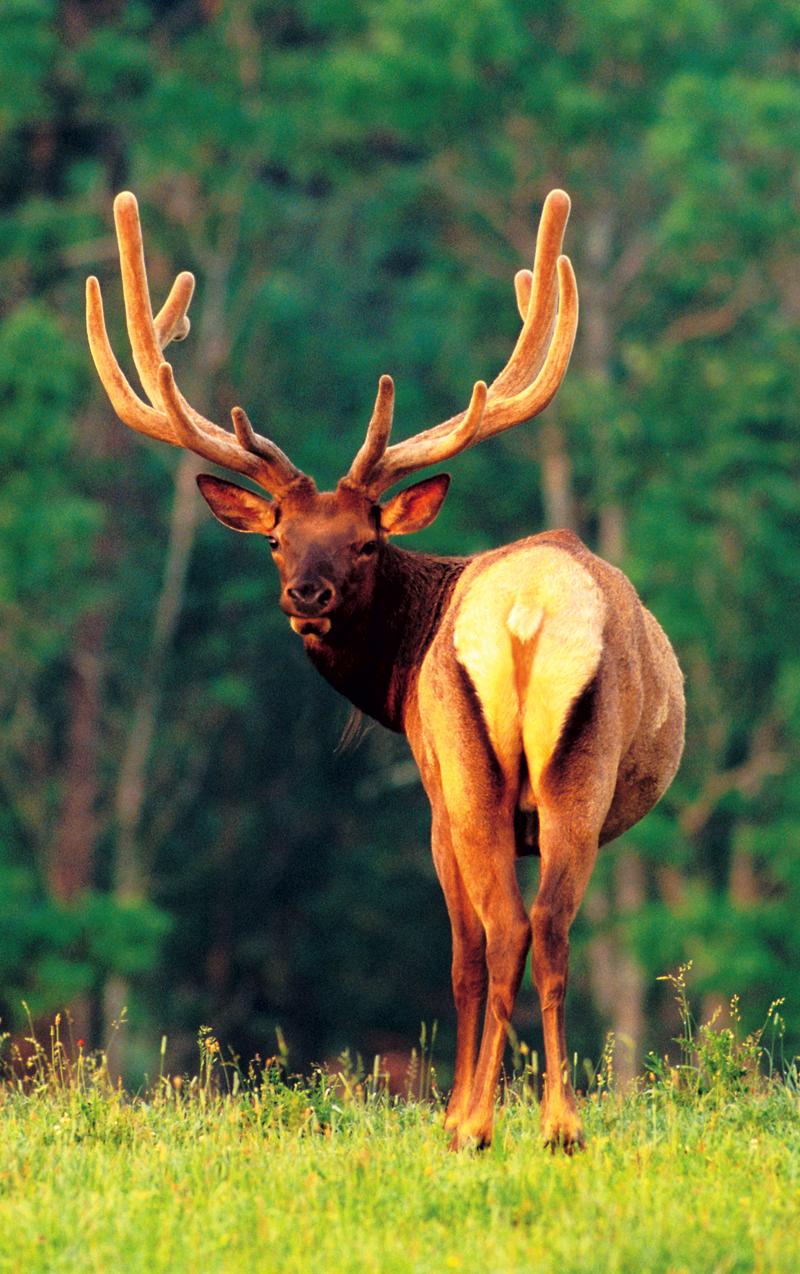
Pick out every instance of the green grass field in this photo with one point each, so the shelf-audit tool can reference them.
(697, 1171)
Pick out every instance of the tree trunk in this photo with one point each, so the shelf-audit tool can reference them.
(70, 860)
(130, 880)
(629, 896)
(558, 499)
(130, 869)
(618, 978)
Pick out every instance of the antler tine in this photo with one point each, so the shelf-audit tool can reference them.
(172, 321)
(145, 346)
(531, 348)
(523, 283)
(171, 418)
(428, 449)
(285, 472)
(547, 299)
(143, 329)
(502, 413)
(222, 450)
(127, 404)
(274, 471)
(378, 431)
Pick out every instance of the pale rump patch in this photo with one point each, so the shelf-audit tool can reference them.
(529, 631)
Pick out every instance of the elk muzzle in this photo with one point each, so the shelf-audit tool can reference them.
(312, 597)
(308, 602)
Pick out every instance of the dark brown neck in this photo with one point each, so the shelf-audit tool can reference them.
(373, 659)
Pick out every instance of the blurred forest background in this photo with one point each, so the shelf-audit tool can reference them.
(354, 182)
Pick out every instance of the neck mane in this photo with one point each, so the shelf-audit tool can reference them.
(374, 661)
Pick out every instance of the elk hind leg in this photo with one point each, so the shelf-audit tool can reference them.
(567, 859)
(468, 972)
(486, 859)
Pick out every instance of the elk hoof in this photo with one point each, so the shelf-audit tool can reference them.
(456, 1112)
(471, 1137)
(564, 1133)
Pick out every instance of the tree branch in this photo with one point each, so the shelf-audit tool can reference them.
(765, 761)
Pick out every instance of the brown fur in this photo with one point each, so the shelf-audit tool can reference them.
(542, 702)
(544, 707)
(615, 754)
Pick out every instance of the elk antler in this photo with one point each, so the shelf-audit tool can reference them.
(523, 388)
(170, 417)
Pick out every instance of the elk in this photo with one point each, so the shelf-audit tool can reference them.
(542, 702)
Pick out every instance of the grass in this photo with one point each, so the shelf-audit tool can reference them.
(698, 1170)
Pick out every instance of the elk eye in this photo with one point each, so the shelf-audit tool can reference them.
(367, 549)
(272, 542)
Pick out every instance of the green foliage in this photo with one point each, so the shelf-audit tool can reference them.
(354, 185)
(53, 952)
(45, 526)
(28, 52)
(716, 1063)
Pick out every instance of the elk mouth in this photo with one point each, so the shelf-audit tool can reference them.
(308, 626)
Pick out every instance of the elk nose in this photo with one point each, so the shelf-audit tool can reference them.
(312, 593)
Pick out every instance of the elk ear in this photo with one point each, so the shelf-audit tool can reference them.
(416, 507)
(236, 507)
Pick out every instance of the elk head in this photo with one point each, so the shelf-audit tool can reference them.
(327, 546)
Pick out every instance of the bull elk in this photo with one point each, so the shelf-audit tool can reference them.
(541, 700)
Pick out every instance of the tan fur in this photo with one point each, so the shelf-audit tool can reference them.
(547, 691)
(541, 700)
(529, 631)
